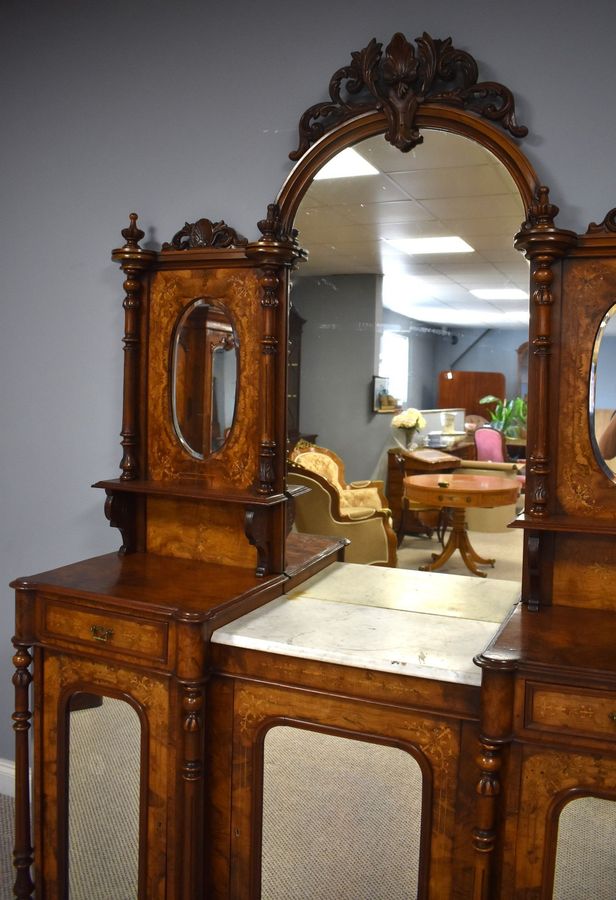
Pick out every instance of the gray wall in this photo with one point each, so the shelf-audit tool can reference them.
(338, 352)
(489, 350)
(339, 337)
(179, 110)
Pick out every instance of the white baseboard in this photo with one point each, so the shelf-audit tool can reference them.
(7, 777)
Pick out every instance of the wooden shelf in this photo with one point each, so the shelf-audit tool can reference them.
(565, 523)
(195, 491)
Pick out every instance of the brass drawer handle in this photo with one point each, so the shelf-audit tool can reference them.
(100, 633)
(612, 716)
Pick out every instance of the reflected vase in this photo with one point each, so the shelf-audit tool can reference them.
(405, 437)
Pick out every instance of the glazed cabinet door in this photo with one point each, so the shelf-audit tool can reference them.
(102, 786)
(329, 796)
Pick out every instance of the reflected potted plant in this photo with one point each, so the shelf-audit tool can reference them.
(405, 426)
(508, 416)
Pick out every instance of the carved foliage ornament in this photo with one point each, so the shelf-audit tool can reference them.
(398, 82)
(205, 233)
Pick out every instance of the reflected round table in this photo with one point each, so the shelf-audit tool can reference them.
(458, 492)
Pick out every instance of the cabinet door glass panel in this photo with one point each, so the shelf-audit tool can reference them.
(341, 818)
(103, 799)
(585, 857)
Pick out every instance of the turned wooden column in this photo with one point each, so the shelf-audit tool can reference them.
(22, 678)
(134, 262)
(544, 245)
(496, 733)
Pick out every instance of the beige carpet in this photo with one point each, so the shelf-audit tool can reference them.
(503, 546)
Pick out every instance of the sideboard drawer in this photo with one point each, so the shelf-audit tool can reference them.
(558, 708)
(107, 631)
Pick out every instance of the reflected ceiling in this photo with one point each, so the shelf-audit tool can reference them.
(448, 185)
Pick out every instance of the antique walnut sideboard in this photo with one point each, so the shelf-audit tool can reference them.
(206, 518)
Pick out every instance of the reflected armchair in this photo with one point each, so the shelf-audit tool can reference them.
(319, 511)
(357, 495)
(490, 447)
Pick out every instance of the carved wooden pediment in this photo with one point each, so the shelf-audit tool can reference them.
(205, 233)
(398, 81)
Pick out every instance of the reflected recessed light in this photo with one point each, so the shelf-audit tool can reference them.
(499, 294)
(346, 164)
(431, 245)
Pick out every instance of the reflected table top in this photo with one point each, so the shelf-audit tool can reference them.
(458, 492)
(391, 620)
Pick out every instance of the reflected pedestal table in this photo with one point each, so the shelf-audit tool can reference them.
(459, 492)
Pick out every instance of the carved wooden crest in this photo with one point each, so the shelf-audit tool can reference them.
(205, 233)
(398, 82)
(606, 226)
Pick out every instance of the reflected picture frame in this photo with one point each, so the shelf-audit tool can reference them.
(380, 389)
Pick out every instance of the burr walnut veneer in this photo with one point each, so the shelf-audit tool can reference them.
(205, 540)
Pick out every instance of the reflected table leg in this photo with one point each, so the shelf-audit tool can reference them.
(458, 540)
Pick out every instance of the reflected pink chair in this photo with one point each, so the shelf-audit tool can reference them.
(490, 446)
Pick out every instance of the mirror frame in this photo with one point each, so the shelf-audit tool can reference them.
(592, 392)
(397, 93)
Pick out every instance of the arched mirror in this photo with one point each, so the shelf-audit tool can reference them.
(203, 377)
(411, 273)
(602, 396)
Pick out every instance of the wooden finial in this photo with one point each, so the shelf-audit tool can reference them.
(132, 235)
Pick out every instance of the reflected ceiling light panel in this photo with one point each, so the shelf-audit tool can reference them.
(346, 164)
(499, 294)
(416, 246)
(396, 284)
(471, 318)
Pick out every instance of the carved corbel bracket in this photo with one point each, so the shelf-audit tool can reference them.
(543, 244)
(120, 510)
(398, 82)
(257, 530)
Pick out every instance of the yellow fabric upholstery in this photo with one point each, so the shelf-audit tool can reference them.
(318, 511)
(356, 495)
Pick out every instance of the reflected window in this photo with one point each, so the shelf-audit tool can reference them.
(203, 377)
(341, 818)
(394, 364)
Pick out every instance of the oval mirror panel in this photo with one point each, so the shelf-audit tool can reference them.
(203, 377)
(602, 396)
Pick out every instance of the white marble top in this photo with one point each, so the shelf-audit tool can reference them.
(428, 624)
